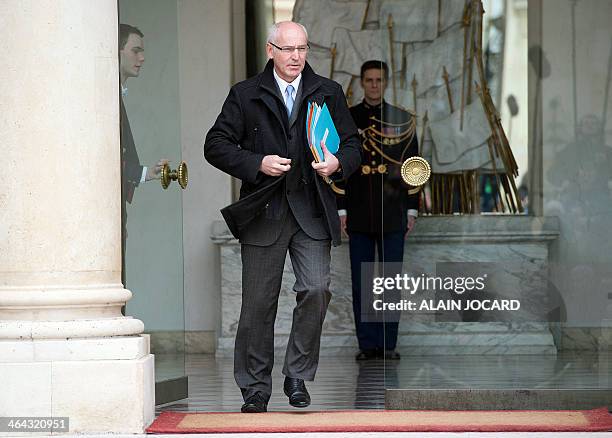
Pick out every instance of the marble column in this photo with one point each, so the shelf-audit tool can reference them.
(65, 348)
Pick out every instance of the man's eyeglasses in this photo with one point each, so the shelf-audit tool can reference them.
(290, 49)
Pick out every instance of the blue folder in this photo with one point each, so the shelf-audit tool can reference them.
(320, 126)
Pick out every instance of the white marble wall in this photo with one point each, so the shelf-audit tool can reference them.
(519, 246)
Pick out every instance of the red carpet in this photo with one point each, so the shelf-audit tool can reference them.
(596, 420)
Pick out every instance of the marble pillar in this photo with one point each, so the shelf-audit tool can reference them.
(65, 348)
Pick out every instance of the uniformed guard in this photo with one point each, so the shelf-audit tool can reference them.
(377, 212)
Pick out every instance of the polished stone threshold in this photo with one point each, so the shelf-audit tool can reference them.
(497, 399)
(576, 380)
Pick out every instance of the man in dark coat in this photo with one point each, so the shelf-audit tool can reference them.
(286, 204)
(377, 211)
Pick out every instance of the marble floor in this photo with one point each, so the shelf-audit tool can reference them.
(343, 383)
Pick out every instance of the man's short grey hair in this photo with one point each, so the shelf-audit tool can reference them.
(273, 31)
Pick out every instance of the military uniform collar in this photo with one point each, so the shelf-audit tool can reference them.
(374, 107)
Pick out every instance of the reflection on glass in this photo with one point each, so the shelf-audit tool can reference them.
(131, 59)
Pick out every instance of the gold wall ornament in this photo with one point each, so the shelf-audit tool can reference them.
(416, 172)
(180, 174)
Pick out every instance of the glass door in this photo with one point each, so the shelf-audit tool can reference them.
(153, 220)
(506, 276)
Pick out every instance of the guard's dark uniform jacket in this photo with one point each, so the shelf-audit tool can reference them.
(377, 198)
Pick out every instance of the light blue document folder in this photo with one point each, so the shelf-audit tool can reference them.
(320, 126)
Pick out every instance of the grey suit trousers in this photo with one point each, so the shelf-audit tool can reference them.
(262, 272)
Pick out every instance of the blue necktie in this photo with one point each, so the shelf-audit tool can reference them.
(289, 100)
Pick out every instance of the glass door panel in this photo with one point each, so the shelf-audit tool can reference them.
(154, 242)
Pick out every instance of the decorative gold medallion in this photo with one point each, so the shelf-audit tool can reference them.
(416, 171)
(382, 168)
(366, 170)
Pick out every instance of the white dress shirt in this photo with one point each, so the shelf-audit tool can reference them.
(282, 85)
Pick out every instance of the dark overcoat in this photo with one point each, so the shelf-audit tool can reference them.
(253, 123)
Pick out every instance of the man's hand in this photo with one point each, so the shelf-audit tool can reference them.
(410, 226)
(154, 171)
(274, 165)
(343, 225)
(329, 166)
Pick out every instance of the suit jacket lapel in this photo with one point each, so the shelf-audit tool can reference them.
(270, 94)
(308, 85)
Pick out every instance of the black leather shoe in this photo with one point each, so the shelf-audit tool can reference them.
(366, 355)
(392, 355)
(297, 393)
(255, 404)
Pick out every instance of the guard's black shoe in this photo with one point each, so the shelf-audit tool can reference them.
(392, 355)
(255, 404)
(366, 355)
(297, 393)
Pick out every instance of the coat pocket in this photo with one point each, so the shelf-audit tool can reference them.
(252, 140)
(256, 139)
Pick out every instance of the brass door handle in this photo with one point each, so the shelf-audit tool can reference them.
(168, 175)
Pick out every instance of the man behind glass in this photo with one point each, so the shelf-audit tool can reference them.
(377, 212)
